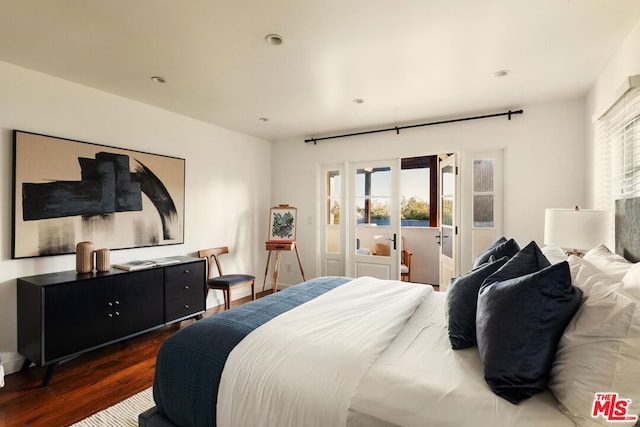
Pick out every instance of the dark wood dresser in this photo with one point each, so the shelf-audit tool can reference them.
(61, 315)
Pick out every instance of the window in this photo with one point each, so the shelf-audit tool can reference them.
(629, 157)
(418, 187)
(483, 193)
(373, 195)
(332, 214)
(333, 197)
(617, 152)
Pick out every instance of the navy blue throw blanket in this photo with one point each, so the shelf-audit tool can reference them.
(190, 362)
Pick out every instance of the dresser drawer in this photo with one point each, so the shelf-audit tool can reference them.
(184, 281)
(184, 307)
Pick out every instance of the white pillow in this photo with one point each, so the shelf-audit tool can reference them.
(599, 352)
(631, 282)
(612, 264)
(554, 253)
(584, 275)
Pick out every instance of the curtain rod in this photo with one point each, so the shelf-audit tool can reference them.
(399, 128)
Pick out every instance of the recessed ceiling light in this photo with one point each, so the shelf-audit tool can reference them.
(358, 101)
(159, 79)
(263, 119)
(274, 39)
(502, 73)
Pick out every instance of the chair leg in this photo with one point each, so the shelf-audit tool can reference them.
(227, 299)
(224, 298)
(253, 290)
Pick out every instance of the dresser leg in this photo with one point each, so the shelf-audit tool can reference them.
(25, 365)
(48, 374)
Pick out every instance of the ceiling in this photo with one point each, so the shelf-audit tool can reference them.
(409, 60)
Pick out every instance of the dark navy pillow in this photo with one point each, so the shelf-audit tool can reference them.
(462, 298)
(498, 249)
(529, 260)
(519, 322)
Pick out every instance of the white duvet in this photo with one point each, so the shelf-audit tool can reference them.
(368, 353)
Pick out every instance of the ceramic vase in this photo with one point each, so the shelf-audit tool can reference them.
(103, 262)
(84, 257)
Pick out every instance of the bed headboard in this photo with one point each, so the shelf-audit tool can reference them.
(627, 228)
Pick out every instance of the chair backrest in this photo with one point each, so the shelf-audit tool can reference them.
(210, 254)
(381, 245)
(403, 252)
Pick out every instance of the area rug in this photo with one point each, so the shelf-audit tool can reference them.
(123, 414)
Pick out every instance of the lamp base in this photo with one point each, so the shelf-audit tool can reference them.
(575, 252)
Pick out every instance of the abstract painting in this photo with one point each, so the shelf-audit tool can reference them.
(282, 223)
(68, 191)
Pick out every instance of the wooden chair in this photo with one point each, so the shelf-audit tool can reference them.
(405, 265)
(405, 262)
(225, 282)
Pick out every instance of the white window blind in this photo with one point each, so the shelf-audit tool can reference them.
(617, 152)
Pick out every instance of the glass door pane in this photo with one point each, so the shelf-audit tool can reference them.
(483, 193)
(372, 206)
(332, 203)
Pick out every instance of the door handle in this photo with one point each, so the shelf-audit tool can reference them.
(394, 241)
(438, 239)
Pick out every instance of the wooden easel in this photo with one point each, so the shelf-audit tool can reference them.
(279, 245)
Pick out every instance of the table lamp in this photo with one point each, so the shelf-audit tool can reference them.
(576, 230)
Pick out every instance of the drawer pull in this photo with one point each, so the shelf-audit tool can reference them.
(187, 271)
(110, 304)
(110, 315)
(117, 313)
(186, 287)
(117, 302)
(187, 306)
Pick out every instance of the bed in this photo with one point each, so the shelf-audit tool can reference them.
(336, 351)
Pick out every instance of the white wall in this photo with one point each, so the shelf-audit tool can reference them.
(606, 91)
(543, 162)
(227, 195)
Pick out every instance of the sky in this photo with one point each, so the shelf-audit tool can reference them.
(413, 182)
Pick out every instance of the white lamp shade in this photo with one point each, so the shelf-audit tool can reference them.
(576, 229)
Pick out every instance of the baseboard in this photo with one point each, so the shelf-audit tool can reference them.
(13, 365)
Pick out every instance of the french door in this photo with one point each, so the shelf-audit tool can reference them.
(448, 236)
(483, 215)
(358, 207)
(333, 213)
(374, 219)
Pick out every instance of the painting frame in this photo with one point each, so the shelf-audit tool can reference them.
(282, 223)
(66, 191)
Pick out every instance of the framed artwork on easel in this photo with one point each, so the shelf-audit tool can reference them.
(282, 223)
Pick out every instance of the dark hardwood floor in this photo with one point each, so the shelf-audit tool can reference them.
(87, 384)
